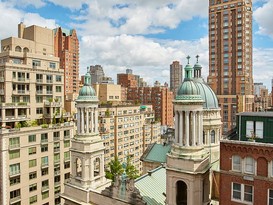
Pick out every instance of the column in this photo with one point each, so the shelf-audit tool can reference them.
(181, 128)
(176, 127)
(82, 121)
(78, 120)
(87, 120)
(91, 121)
(187, 127)
(96, 120)
(193, 128)
(201, 127)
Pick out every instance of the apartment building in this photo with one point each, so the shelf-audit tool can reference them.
(35, 158)
(176, 76)
(127, 130)
(66, 47)
(230, 57)
(108, 92)
(159, 97)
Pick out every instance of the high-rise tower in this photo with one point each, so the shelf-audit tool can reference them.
(230, 57)
(175, 76)
(67, 49)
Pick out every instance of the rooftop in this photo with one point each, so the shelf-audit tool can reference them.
(156, 153)
(258, 114)
(152, 186)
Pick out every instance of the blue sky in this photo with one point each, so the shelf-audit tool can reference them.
(145, 36)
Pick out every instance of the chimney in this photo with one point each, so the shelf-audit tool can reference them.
(21, 28)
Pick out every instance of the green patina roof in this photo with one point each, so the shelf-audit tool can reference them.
(197, 66)
(158, 153)
(153, 186)
(188, 91)
(208, 96)
(143, 107)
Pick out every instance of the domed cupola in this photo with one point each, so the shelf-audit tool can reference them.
(188, 90)
(87, 92)
(207, 94)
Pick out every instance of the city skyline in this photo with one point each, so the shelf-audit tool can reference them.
(155, 34)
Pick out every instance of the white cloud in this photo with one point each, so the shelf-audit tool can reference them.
(263, 16)
(25, 3)
(143, 55)
(134, 17)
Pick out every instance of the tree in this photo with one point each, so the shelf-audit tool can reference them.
(54, 120)
(115, 169)
(130, 169)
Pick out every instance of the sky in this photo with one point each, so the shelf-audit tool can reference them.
(143, 35)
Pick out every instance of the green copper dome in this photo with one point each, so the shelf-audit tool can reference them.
(208, 96)
(188, 91)
(87, 92)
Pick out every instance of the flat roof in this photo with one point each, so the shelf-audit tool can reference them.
(258, 114)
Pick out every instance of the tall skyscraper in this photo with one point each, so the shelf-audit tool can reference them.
(230, 57)
(175, 76)
(66, 46)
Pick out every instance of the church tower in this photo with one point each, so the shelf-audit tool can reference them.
(87, 149)
(188, 163)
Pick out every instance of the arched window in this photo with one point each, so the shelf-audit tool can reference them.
(96, 166)
(181, 193)
(236, 163)
(26, 50)
(18, 49)
(212, 136)
(78, 167)
(249, 165)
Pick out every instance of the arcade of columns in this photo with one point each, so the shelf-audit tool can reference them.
(86, 115)
(189, 133)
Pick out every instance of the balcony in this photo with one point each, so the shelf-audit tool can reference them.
(49, 92)
(14, 173)
(49, 81)
(39, 81)
(14, 105)
(44, 141)
(45, 188)
(45, 164)
(14, 146)
(21, 79)
(52, 104)
(15, 200)
(57, 161)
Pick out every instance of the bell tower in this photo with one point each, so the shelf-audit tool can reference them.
(87, 149)
(187, 168)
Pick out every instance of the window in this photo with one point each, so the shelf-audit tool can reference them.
(32, 163)
(249, 165)
(67, 155)
(52, 65)
(44, 171)
(14, 180)
(44, 137)
(33, 199)
(66, 144)
(15, 194)
(212, 136)
(45, 194)
(36, 63)
(32, 187)
(242, 192)
(254, 128)
(67, 165)
(14, 142)
(14, 169)
(32, 138)
(58, 78)
(236, 163)
(58, 89)
(32, 175)
(44, 148)
(13, 154)
(270, 197)
(44, 161)
(31, 150)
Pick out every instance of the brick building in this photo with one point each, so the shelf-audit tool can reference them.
(126, 80)
(246, 164)
(161, 99)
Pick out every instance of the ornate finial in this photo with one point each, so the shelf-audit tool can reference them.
(197, 57)
(188, 57)
(87, 69)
